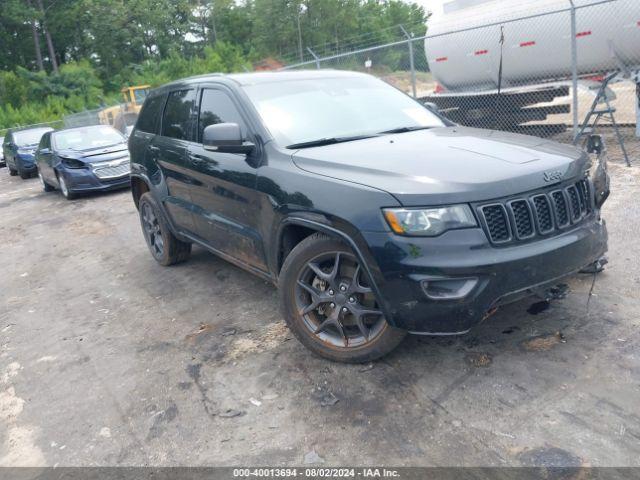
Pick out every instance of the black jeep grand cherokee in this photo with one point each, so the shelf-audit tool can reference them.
(374, 215)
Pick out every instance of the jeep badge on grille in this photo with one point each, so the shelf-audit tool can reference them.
(553, 176)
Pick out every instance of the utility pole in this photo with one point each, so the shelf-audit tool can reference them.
(300, 34)
(574, 70)
(638, 105)
(411, 61)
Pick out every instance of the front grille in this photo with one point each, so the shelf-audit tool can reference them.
(561, 208)
(574, 201)
(583, 194)
(107, 171)
(541, 213)
(497, 222)
(522, 218)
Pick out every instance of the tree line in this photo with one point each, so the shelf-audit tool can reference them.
(61, 56)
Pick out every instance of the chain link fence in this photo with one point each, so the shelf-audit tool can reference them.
(534, 67)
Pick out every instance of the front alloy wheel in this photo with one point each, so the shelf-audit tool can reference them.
(329, 303)
(64, 188)
(335, 304)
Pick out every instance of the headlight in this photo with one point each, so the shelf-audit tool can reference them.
(429, 222)
(72, 163)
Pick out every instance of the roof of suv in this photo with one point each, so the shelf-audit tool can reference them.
(266, 77)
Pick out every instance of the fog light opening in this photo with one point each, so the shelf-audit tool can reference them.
(448, 289)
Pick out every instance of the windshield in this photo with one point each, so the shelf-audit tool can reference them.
(301, 111)
(29, 137)
(87, 138)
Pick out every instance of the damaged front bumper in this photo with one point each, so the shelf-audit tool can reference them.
(448, 284)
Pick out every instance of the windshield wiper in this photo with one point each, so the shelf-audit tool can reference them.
(329, 141)
(405, 129)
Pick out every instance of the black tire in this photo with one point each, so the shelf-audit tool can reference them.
(340, 341)
(162, 243)
(13, 172)
(24, 175)
(45, 186)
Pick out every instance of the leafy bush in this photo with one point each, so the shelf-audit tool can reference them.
(27, 97)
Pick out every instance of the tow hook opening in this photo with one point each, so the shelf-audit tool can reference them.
(597, 266)
(556, 292)
(546, 296)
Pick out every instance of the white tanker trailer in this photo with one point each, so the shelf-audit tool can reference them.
(468, 40)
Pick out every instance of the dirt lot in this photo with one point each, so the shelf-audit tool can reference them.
(107, 358)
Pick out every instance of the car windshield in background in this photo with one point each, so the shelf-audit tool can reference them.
(29, 137)
(318, 110)
(87, 138)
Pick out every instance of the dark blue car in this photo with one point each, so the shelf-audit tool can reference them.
(85, 159)
(19, 147)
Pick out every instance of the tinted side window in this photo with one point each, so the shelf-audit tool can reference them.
(176, 121)
(151, 111)
(217, 107)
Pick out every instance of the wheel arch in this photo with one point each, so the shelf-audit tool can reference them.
(139, 186)
(305, 228)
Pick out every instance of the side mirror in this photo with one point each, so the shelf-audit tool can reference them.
(595, 144)
(225, 138)
(432, 106)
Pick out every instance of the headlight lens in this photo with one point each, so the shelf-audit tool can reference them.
(73, 163)
(429, 222)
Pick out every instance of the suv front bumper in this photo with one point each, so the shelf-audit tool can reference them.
(448, 284)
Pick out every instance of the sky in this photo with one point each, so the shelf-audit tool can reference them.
(429, 5)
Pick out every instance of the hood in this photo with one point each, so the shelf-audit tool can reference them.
(447, 165)
(102, 154)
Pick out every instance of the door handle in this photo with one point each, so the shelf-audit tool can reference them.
(200, 160)
(197, 159)
(153, 149)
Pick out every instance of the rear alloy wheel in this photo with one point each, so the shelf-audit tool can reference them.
(330, 306)
(45, 186)
(64, 188)
(164, 246)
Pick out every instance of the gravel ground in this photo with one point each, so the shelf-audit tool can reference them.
(107, 358)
